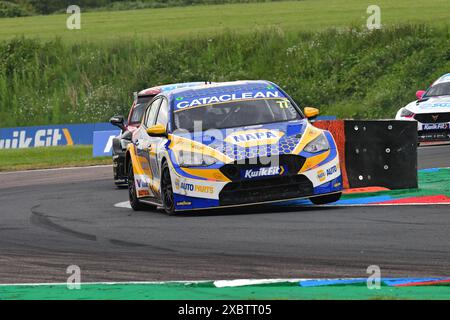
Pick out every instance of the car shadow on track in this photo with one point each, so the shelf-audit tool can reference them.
(256, 209)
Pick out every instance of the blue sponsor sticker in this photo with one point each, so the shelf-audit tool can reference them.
(331, 170)
(186, 186)
(435, 126)
(170, 87)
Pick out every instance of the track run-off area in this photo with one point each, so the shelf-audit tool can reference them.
(51, 219)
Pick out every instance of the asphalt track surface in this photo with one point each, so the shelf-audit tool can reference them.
(56, 218)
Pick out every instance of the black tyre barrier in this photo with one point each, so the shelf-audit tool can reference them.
(381, 153)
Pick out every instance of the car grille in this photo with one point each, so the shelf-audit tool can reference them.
(290, 162)
(434, 135)
(433, 117)
(262, 190)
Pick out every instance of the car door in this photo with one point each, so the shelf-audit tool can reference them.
(158, 143)
(146, 144)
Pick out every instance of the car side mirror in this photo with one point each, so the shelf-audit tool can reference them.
(311, 113)
(419, 94)
(158, 130)
(118, 121)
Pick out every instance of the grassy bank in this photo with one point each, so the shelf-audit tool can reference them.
(187, 22)
(49, 157)
(352, 73)
(88, 75)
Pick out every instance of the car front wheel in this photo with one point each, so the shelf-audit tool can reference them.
(166, 190)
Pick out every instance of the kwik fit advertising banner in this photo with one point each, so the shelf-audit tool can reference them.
(52, 135)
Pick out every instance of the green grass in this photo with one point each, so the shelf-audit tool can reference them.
(89, 75)
(49, 157)
(351, 74)
(182, 22)
(207, 291)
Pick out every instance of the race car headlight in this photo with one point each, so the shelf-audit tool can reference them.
(406, 113)
(194, 159)
(317, 145)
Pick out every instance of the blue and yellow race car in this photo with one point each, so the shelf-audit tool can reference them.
(229, 144)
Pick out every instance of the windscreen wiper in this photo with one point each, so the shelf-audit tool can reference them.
(422, 100)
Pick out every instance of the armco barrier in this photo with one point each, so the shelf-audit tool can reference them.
(381, 153)
(52, 135)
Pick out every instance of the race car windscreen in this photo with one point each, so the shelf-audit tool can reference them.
(139, 109)
(236, 114)
(441, 89)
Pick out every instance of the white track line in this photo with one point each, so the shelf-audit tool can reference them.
(101, 283)
(217, 283)
(251, 282)
(125, 204)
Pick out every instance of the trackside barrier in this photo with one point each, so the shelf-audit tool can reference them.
(103, 141)
(378, 153)
(51, 135)
(381, 153)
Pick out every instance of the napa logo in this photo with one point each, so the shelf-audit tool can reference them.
(321, 175)
(251, 138)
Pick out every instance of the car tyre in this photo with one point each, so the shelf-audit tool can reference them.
(135, 203)
(329, 198)
(167, 197)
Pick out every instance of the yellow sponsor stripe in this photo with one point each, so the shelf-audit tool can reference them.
(139, 163)
(188, 145)
(155, 186)
(68, 136)
(210, 174)
(314, 161)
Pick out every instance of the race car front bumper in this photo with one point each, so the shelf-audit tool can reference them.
(427, 135)
(433, 129)
(191, 193)
(430, 132)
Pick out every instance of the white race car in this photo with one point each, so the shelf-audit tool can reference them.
(431, 110)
